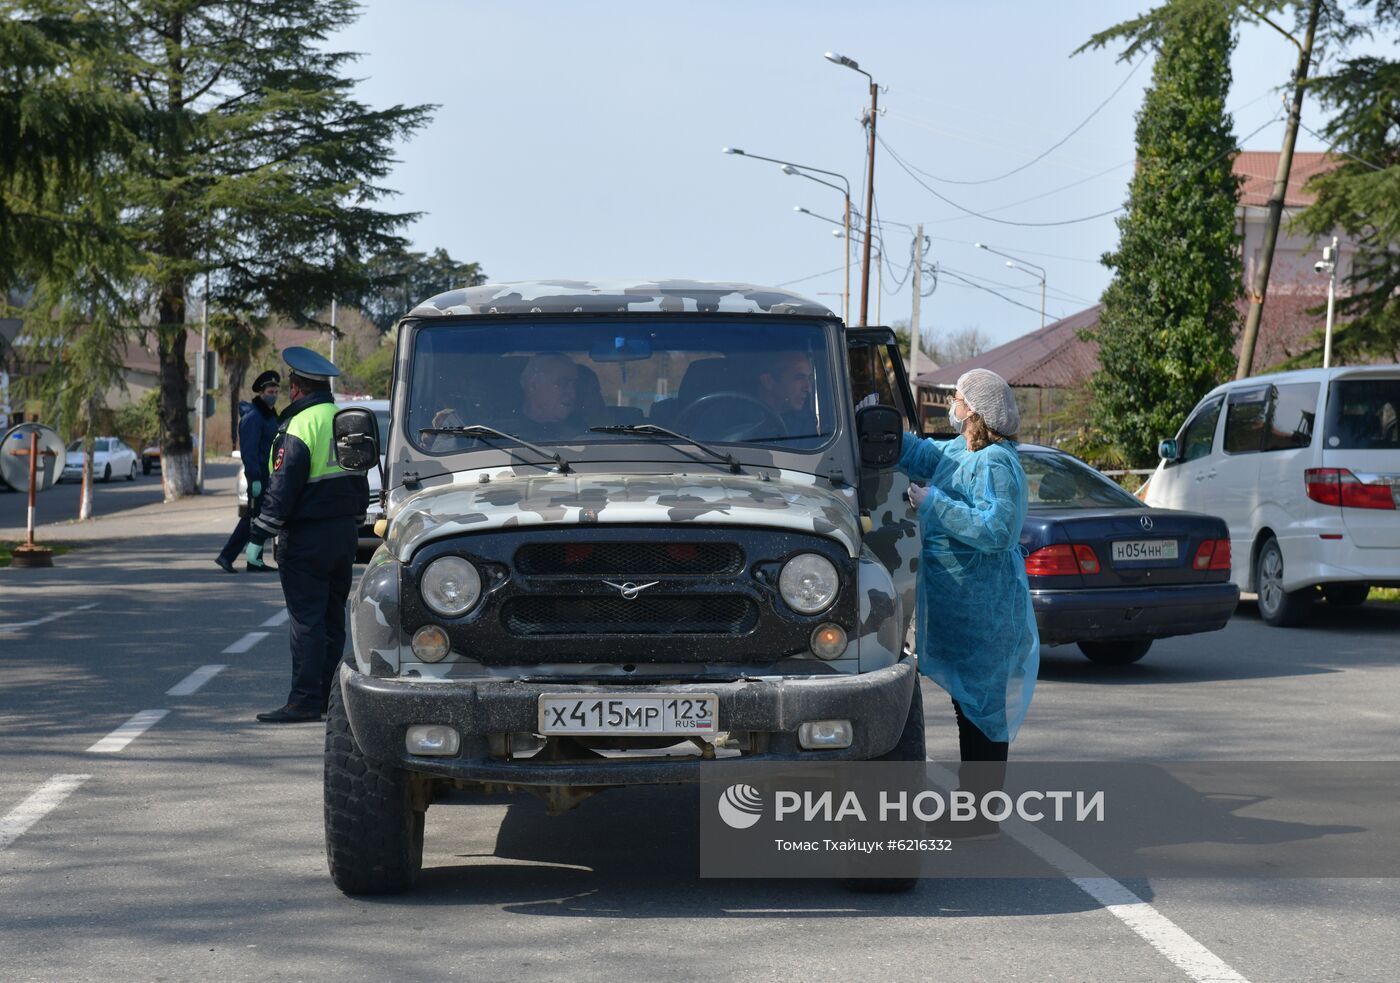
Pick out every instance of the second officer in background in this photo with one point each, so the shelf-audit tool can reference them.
(314, 509)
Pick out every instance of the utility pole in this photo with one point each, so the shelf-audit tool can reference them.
(1260, 287)
(869, 203)
(879, 284)
(915, 334)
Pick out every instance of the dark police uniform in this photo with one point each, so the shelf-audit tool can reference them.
(314, 509)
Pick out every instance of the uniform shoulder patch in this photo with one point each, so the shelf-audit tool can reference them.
(277, 461)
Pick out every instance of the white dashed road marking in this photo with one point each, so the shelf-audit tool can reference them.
(47, 618)
(277, 620)
(1154, 928)
(191, 683)
(128, 732)
(245, 643)
(37, 806)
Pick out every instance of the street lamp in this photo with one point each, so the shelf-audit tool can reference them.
(800, 170)
(850, 63)
(1328, 265)
(1017, 263)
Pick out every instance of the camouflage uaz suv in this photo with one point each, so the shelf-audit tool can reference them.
(634, 531)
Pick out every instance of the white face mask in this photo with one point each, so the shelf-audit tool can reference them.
(953, 420)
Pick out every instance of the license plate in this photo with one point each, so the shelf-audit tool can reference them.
(682, 715)
(1144, 549)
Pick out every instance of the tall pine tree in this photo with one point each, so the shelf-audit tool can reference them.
(1169, 317)
(249, 160)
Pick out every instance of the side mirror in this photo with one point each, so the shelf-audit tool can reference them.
(356, 439)
(880, 430)
(1166, 450)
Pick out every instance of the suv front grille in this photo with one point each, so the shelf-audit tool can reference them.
(710, 614)
(635, 558)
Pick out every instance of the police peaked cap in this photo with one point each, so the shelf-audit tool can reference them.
(268, 378)
(310, 365)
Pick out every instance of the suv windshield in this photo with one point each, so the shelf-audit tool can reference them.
(552, 381)
(1362, 414)
(1059, 481)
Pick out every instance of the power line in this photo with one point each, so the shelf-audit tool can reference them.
(1335, 149)
(803, 279)
(1073, 221)
(1053, 147)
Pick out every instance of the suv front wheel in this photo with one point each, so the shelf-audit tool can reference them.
(1279, 607)
(374, 832)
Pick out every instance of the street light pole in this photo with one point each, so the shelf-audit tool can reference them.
(789, 168)
(850, 63)
(1329, 262)
(1038, 272)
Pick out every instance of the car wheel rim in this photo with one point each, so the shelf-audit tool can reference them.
(1271, 581)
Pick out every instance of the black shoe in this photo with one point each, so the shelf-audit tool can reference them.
(289, 715)
(260, 568)
(224, 565)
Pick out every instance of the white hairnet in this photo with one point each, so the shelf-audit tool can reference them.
(988, 395)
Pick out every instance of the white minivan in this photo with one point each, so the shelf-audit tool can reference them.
(1304, 467)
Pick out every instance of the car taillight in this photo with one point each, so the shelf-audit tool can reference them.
(1062, 560)
(1338, 486)
(1213, 554)
(1088, 561)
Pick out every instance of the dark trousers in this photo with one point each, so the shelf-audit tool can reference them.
(315, 560)
(239, 538)
(984, 761)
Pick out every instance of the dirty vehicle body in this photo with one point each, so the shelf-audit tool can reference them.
(567, 600)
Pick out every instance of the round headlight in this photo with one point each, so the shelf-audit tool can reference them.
(808, 583)
(450, 586)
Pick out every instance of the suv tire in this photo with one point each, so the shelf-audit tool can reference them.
(1119, 653)
(1278, 607)
(374, 835)
(910, 747)
(1346, 595)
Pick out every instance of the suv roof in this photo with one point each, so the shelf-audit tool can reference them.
(613, 296)
(1308, 375)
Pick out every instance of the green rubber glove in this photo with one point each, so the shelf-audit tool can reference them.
(256, 489)
(253, 553)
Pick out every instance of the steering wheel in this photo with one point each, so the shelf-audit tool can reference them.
(686, 418)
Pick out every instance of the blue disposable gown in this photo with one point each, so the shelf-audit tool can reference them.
(976, 629)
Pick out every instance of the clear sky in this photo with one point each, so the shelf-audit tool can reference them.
(584, 139)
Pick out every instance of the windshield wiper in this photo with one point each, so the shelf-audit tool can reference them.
(479, 430)
(652, 430)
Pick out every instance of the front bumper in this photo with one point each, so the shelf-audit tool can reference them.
(1132, 612)
(381, 710)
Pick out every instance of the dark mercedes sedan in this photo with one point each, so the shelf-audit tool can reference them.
(1110, 573)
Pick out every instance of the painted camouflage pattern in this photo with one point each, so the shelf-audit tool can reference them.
(618, 296)
(792, 501)
(893, 539)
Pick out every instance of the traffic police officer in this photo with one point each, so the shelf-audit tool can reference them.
(314, 509)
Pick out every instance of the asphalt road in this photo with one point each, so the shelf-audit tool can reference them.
(60, 503)
(195, 851)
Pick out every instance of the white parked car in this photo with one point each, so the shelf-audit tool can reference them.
(110, 456)
(1304, 467)
(380, 408)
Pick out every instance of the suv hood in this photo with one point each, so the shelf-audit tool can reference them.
(791, 500)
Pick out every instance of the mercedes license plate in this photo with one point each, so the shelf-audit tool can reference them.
(687, 715)
(1144, 549)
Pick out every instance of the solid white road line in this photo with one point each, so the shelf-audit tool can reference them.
(37, 806)
(1154, 928)
(191, 683)
(127, 732)
(245, 643)
(47, 618)
(277, 620)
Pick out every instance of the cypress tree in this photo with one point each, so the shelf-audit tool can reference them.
(1169, 318)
